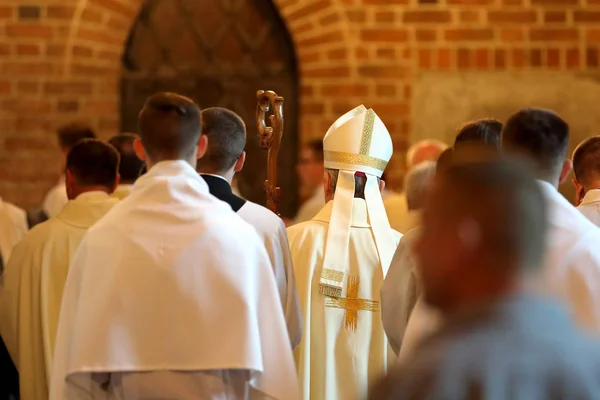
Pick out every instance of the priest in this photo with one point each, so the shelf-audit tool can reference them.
(172, 294)
(225, 156)
(13, 226)
(130, 165)
(32, 287)
(586, 168)
(341, 257)
(68, 136)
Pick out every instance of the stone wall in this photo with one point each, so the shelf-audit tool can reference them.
(61, 59)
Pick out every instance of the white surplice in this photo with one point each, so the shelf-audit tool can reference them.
(32, 288)
(397, 211)
(56, 199)
(311, 207)
(171, 280)
(13, 227)
(123, 190)
(336, 359)
(590, 206)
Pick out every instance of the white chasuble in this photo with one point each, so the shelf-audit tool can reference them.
(172, 280)
(13, 227)
(344, 348)
(32, 288)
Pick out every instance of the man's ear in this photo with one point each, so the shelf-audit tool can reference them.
(326, 186)
(140, 152)
(566, 170)
(202, 146)
(239, 164)
(117, 181)
(381, 185)
(579, 191)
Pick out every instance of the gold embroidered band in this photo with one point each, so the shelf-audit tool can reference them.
(358, 159)
(333, 275)
(367, 134)
(352, 304)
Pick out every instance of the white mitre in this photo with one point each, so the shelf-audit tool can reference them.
(357, 142)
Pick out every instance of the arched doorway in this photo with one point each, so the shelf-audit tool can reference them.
(219, 53)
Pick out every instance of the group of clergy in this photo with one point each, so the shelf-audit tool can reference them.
(152, 279)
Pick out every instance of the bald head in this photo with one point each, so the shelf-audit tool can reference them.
(169, 127)
(425, 150)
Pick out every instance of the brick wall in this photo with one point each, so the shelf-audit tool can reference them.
(60, 60)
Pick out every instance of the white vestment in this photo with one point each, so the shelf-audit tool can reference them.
(13, 226)
(32, 288)
(171, 280)
(122, 191)
(397, 211)
(572, 264)
(423, 322)
(272, 230)
(56, 199)
(590, 206)
(342, 351)
(311, 207)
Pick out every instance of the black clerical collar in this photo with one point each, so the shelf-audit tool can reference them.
(220, 188)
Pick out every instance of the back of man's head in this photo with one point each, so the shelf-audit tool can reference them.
(484, 131)
(169, 126)
(130, 165)
(424, 150)
(72, 133)
(316, 147)
(541, 136)
(418, 181)
(226, 133)
(586, 162)
(91, 164)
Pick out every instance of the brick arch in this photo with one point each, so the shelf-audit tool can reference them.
(319, 29)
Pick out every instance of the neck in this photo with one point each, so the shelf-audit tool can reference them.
(228, 175)
(74, 193)
(593, 185)
(190, 160)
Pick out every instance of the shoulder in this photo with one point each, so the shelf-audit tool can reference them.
(261, 218)
(306, 229)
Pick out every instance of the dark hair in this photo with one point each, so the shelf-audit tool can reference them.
(93, 163)
(130, 165)
(484, 131)
(360, 182)
(586, 160)
(541, 135)
(226, 134)
(70, 134)
(169, 126)
(444, 160)
(316, 146)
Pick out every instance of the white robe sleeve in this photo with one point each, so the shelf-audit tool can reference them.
(423, 322)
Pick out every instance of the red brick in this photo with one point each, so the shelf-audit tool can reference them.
(337, 54)
(391, 109)
(386, 53)
(302, 28)
(385, 91)
(27, 68)
(340, 107)
(384, 2)
(28, 31)
(82, 51)
(309, 9)
(329, 19)
(55, 50)
(469, 16)
(309, 57)
(67, 87)
(512, 2)
(362, 53)
(384, 35)
(327, 72)
(111, 56)
(6, 12)
(5, 49)
(5, 87)
(28, 49)
(482, 59)
(444, 59)
(500, 59)
(518, 58)
(591, 57)
(27, 143)
(99, 36)
(555, 16)
(60, 12)
(348, 90)
(512, 35)
(356, 16)
(427, 16)
(593, 35)
(385, 16)
(586, 16)
(307, 91)
(536, 57)
(471, 2)
(118, 24)
(554, 34)
(312, 108)
(425, 59)
(89, 15)
(463, 58)
(469, 35)
(380, 71)
(116, 6)
(512, 17)
(426, 35)
(573, 58)
(553, 58)
(554, 2)
(330, 37)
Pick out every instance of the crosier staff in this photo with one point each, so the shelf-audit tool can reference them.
(270, 140)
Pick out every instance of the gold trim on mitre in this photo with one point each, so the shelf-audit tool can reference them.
(356, 159)
(367, 135)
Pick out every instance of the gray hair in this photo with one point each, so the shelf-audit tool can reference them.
(418, 180)
(420, 145)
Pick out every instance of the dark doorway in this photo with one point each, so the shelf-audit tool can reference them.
(219, 53)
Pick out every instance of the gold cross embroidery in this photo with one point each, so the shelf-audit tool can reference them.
(352, 304)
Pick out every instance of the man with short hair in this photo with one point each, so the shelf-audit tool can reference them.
(572, 264)
(225, 156)
(395, 204)
(340, 258)
(130, 165)
(68, 136)
(586, 167)
(13, 226)
(172, 295)
(485, 131)
(34, 278)
(488, 223)
(310, 171)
